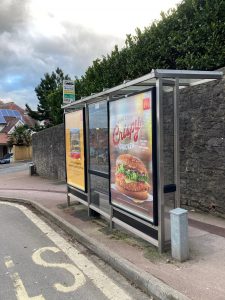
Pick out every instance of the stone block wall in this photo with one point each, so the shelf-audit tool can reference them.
(202, 146)
(49, 152)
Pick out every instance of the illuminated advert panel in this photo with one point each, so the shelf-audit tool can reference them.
(132, 155)
(75, 160)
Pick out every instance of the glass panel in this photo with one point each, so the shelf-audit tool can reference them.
(98, 133)
(100, 193)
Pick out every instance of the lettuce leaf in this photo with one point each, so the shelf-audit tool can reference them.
(131, 174)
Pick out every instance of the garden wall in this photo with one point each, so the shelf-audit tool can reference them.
(202, 146)
(49, 152)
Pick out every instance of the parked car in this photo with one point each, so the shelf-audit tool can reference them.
(6, 158)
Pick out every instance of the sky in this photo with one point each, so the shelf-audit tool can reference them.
(37, 36)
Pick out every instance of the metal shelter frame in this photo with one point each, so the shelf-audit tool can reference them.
(162, 80)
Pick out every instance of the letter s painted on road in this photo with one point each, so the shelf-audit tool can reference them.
(79, 278)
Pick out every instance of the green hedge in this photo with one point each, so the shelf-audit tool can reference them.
(192, 36)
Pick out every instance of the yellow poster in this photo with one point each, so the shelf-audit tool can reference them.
(75, 167)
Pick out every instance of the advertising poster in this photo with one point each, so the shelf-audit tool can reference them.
(131, 164)
(75, 149)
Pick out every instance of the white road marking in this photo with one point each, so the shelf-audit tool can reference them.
(99, 279)
(79, 278)
(21, 292)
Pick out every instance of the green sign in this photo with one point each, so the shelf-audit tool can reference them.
(69, 96)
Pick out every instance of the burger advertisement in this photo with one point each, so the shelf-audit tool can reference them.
(75, 149)
(131, 162)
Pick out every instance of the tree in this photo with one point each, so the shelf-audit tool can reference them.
(50, 96)
(21, 136)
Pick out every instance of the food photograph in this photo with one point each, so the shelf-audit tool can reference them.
(131, 164)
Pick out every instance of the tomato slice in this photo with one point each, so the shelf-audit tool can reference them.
(120, 175)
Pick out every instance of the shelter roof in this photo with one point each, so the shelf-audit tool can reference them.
(185, 78)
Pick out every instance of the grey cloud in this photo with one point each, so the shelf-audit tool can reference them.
(13, 13)
(76, 49)
(20, 96)
(25, 57)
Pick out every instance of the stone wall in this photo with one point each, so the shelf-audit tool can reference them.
(202, 146)
(49, 152)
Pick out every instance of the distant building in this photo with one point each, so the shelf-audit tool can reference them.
(11, 116)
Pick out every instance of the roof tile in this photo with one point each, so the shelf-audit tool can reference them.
(3, 138)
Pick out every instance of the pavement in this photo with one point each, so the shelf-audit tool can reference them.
(201, 277)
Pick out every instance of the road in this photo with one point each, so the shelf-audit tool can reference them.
(14, 167)
(38, 263)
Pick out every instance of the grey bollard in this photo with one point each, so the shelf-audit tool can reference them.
(179, 234)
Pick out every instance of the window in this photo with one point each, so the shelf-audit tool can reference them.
(99, 161)
(98, 137)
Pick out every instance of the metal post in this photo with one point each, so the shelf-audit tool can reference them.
(68, 198)
(111, 224)
(67, 188)
(176, 144)
(87, 159)
(160, 165)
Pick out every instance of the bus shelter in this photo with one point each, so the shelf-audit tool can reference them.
(122, 151)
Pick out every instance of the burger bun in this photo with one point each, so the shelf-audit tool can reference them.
(143, 195)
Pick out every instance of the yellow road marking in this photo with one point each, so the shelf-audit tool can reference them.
(20, 290)
(99, 279)
(79, 278)
(8, 262)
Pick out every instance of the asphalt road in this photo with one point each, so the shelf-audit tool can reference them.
(14, 167)
(38, 263)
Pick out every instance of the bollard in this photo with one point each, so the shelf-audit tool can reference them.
(179, 234)
(32, 169)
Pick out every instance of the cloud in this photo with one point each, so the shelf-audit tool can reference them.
(26, 54)
(21, 96)
(75, 49)
(13, 13)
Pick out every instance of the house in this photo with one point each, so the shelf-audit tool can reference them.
(11, 116)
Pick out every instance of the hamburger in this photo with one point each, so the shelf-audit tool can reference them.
(131, 177)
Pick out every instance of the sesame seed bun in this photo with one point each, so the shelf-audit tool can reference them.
(131, 162)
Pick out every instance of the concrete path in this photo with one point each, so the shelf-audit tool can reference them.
(200, 278)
